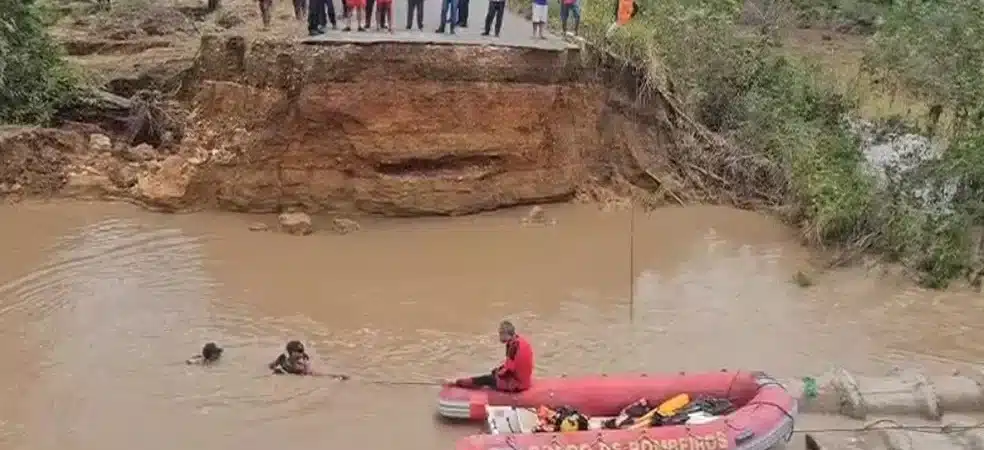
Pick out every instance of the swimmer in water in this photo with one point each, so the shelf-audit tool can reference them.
(210, 355)
(295, 361)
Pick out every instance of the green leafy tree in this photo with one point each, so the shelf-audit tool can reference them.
(33, 78)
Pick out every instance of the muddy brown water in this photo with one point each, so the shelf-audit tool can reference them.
(100, 304)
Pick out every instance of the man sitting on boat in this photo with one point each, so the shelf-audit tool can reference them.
(516, 372)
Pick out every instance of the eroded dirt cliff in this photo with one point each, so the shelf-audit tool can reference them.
(385, 128)
(392, 128)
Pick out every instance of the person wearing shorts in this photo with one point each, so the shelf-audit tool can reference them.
(539, 18)
(356, 8)
(384, 15)
(568, 7)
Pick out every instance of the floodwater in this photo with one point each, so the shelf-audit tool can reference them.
(100, 304)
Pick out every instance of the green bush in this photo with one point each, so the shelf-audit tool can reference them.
(33, 78)
(782, 110)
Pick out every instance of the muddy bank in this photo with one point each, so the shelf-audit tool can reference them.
(391, 129)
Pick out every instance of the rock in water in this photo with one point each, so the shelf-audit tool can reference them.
(341, 225)
(537, 216)
(258, 226)
(296, 223)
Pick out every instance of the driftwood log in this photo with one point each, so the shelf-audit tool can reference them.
(144, 118)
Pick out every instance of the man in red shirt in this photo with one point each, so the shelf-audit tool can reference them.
(516, 372)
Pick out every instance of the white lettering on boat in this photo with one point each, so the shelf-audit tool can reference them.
(713, 441)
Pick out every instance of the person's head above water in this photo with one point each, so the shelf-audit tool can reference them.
(295, 347)
(507, 331)
(211, 352)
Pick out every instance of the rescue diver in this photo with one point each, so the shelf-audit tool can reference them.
(211, 353)
(295, 361)
(516, 372)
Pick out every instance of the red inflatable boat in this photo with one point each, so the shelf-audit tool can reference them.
(763, 417)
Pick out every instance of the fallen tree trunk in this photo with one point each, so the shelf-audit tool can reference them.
(144, 118)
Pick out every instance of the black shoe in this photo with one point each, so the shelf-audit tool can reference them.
(439, 30)
(362, 29)
(315, 32)
(485, 33)
(497, 35)
(347, 29)
(409, 27)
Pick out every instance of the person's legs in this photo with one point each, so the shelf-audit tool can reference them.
(330, 6)
(453, 17)
(369, 6)
(500, 8)
(348, 15)
(489, 15)
(576, 10)
(565, 11)
(265, 6)
(411, 5)
(420, 14)
(445, 5)
(487, 380)
(359, 11)
(463, 6)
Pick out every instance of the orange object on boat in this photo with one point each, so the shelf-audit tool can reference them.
(671, 406)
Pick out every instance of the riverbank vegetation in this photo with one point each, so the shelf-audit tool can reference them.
(737, 68)
(34, 79)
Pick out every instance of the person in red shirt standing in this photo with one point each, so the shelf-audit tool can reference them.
(516, 372)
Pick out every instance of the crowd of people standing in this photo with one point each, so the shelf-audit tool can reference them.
(454, 14)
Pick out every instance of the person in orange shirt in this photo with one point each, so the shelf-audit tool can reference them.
(516, 372)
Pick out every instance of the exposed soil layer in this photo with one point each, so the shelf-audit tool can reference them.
(390, 129)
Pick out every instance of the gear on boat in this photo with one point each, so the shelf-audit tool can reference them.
(678, 410)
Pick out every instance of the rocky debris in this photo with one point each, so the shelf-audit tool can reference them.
(6, 189)
(537, 216)
(139, 153)
(168, 187)
(100, 143)
(88, 184)
(229, 19)
(296, 223)
(258, 226)
(124, 176)
(34, 159)
(341, 225)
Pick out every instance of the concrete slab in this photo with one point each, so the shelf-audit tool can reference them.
(516, 30)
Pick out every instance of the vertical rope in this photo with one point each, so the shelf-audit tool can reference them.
(632, 264)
